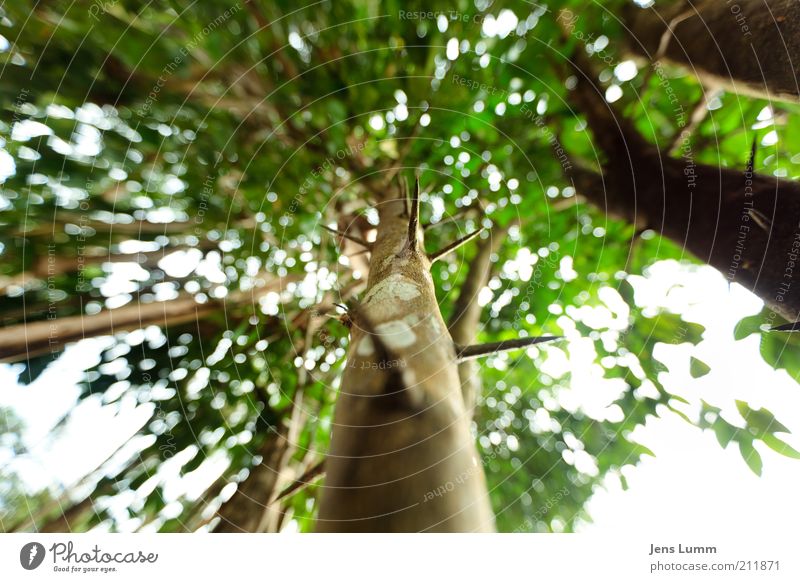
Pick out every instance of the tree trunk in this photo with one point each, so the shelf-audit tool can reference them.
(401, 457)
(466, 317)
(745, 224)
(745, 46)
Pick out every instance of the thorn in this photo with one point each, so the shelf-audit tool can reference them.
(464, 353)
(342, 306)
(304, 480)
(403, 193)
(433, 257)
(413, 218)
(355, 239)
(760, 219)
(787, 327)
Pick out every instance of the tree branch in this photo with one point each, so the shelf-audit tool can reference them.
(304, 480)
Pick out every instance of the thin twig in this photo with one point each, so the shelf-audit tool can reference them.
(304, 480)
(699, 113)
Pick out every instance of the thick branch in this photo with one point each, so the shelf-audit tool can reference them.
(750, 47)
(742, 223)
(26, 340)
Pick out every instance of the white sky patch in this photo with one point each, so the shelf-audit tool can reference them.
(181, 263)
(452, 49)
(401, 112)
(501, 26)
(613, 93)
(521, 265)
(770, 139)
(625, 71)
(566, 270)
(376, 122)
(28, 129)
(211, 268)
(7, 166)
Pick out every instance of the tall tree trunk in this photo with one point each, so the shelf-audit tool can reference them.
(746, 46)
(401, 457)
(745, 224)
(466, 316)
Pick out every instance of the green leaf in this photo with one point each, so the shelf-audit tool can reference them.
(782, 350)
(751, 456)
(781, 447)
(761, 420)
(725, 432)
(748, 326)
(698, 368)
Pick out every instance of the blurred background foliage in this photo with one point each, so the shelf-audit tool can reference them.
(187, 153)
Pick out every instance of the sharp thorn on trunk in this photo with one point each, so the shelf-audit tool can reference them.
(355, 239)
(794, 327)
(464, 353)
(435, 256)
(413, 218)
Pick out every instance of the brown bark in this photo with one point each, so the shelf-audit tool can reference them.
(466, 316)
(401, 457)
(747, 46)
(742, 223)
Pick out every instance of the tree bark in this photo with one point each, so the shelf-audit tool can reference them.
(401, 457)
(745, 46)
(744, 224)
